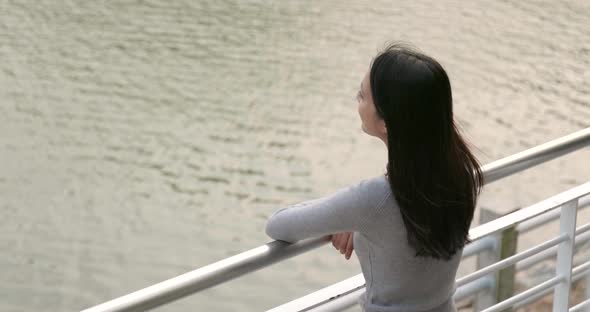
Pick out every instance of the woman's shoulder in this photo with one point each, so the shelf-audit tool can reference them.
(377, 184)
(376, 190)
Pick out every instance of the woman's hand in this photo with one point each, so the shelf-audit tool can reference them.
(343, 242)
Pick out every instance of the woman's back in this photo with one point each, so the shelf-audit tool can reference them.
(396, 280)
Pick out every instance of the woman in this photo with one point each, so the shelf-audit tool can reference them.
(408, 227)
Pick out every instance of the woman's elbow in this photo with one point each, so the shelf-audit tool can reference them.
(274, 231)
(270, 231)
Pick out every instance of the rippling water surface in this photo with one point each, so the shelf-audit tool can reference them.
(143, 139)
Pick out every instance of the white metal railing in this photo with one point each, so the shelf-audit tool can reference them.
(275, 251)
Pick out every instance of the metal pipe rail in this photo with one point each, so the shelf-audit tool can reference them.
(581, 238)
(548, 217)
(577, 273)
(490, 243)
(511, 260)
(275, 251)
(537, 155)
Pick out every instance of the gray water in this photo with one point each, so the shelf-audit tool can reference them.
(142, 140)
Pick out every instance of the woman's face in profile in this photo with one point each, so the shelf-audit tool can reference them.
(371, 123)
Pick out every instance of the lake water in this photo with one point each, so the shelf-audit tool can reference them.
(142, 140)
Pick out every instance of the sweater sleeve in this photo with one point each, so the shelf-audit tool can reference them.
(344, 210)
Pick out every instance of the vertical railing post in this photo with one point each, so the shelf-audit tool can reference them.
(507, 276)
(503, 286)
(487, 298)
(565, 251)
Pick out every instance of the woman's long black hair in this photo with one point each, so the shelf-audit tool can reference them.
(434, 177)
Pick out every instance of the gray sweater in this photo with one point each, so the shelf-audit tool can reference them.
(395, 280)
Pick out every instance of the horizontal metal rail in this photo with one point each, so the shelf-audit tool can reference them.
(518, 162)
(260, 257)
(529, 212)
(487, 243)
(470, 289)
(511, 260)
(577, 273)
(208, 276)
(474, 248)
(342, 295)
(548, 217)
(581, 269)
(549, 253)
(582, 306)
(510, 302)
